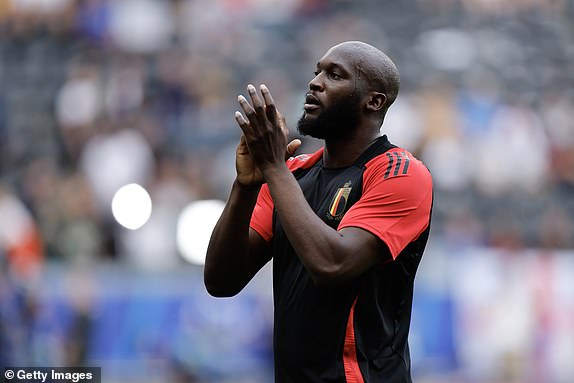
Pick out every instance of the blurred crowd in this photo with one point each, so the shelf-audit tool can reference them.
(95, 94)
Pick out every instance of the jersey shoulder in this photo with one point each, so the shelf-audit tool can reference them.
(304, 161)
(399, 165)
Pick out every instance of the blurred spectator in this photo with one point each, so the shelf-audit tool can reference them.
(21, 260)
(20, 241)
(112, 159)
(80, 285)
(558, 113)
(556, 229)
(154, 247)
(501, 165)
(140, 26)
(78, 106)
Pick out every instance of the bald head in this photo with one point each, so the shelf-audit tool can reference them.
(376, 70)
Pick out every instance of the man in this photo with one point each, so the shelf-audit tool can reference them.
(346, 226)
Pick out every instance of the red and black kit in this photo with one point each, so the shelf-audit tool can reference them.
(357, 332)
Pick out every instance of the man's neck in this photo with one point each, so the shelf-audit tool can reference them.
(342, 153)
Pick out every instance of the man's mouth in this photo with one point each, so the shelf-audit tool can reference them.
(311, 103)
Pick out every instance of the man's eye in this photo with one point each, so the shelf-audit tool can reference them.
(316, 73)
(335, 76)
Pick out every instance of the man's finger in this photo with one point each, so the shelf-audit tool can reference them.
(272, 113)
(255, 99)
(266, 95)
(242, 122)
(258, 105)
(270, 108)
(283, 124)
(242, 146)
(248, 110)
(292, 147)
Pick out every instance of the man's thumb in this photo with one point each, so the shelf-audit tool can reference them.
(293, 146)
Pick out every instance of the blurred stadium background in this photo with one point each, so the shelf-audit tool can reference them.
(96, 95)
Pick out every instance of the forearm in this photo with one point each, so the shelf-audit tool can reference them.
(321, 249)
(227, 264)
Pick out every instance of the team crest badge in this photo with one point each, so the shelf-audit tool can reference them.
(339, 202)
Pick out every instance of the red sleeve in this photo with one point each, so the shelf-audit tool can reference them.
(396, 200)
(262, 217)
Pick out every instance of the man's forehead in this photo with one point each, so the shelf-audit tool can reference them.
(339, 56)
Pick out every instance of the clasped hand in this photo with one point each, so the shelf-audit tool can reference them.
(264, 141)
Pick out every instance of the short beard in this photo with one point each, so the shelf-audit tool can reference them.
(334, 124)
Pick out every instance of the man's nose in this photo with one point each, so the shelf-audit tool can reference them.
(316, 84)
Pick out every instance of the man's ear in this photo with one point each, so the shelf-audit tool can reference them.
(377, 101)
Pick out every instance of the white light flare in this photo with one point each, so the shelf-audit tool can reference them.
(195, 225)
(131, 206)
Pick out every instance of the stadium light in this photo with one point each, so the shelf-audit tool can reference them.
(131, 206)
(194, 228)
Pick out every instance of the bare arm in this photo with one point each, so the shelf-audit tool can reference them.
(235, 251)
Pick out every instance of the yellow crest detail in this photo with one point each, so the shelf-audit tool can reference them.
(339, 201)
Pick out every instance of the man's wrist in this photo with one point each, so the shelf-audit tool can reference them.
(272, 171)
(246, 188)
